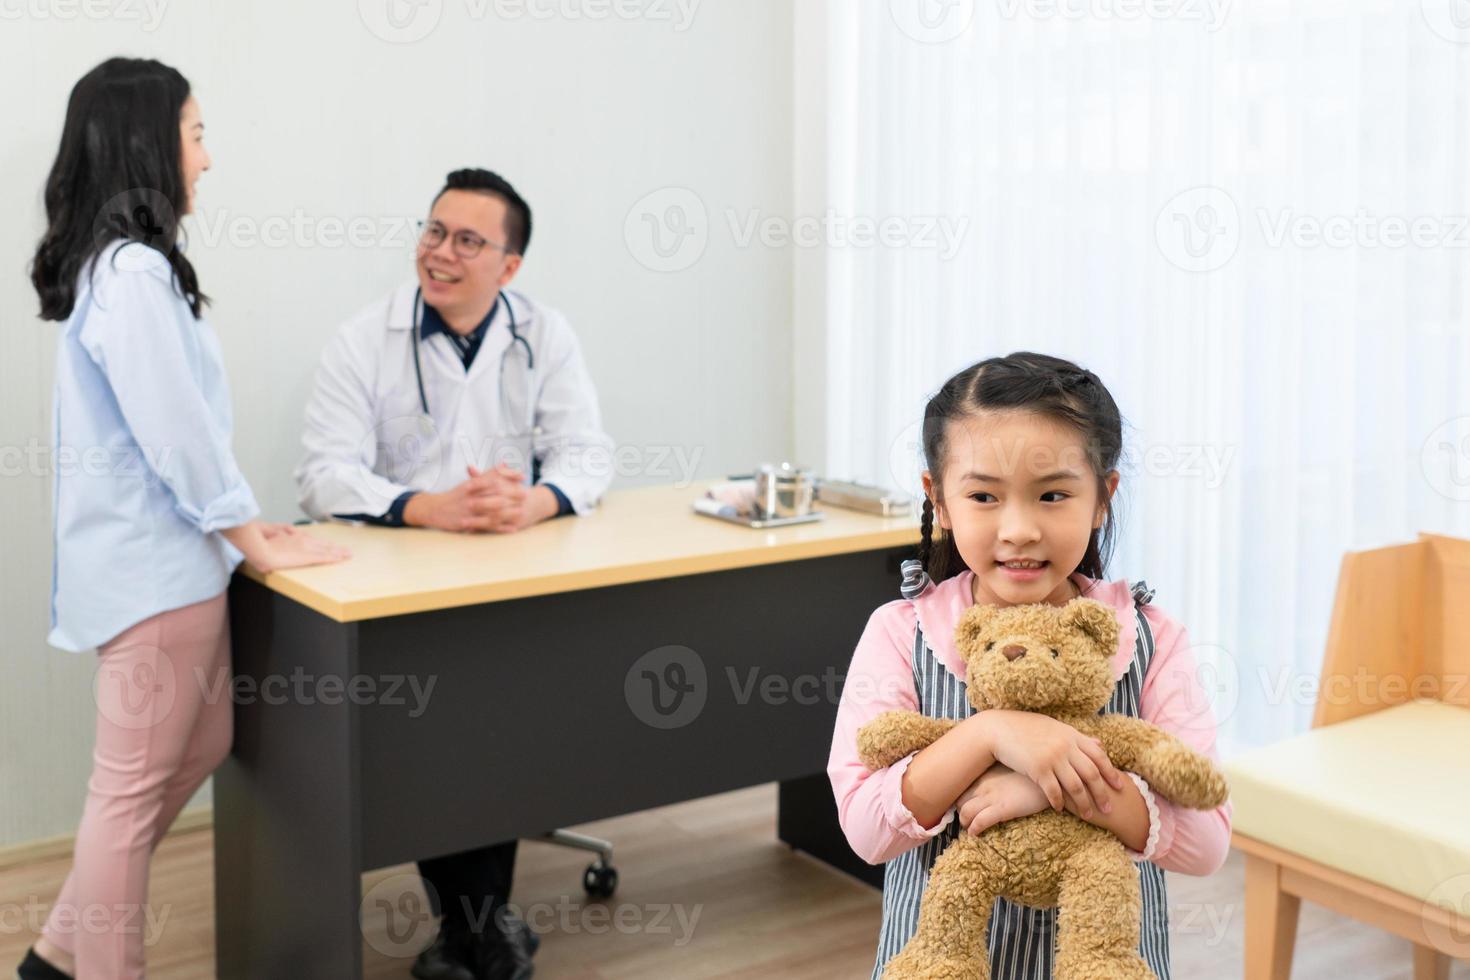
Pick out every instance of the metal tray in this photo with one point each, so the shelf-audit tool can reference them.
(757, 523)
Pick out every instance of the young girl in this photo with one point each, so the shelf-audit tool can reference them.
(1020, 454)
(151, 523)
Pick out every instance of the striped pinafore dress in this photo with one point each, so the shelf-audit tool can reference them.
(1022, 939)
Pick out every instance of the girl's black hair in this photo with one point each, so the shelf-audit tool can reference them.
(118, 175)
(1047, 386)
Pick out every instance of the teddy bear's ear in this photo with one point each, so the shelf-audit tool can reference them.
(971, 627)
(1094, 619)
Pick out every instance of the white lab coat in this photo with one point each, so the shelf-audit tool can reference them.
(367, 440)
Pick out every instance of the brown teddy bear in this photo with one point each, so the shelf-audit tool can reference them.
(1056, 661)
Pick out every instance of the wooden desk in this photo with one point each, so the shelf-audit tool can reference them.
(441, 692)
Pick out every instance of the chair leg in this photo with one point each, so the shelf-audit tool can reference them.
(1270, 921)
(581, 842)
(1430, 964)
(600, 880)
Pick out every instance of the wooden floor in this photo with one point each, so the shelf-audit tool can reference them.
(707, 892)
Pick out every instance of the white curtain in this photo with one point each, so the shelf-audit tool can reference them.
(1250, 221)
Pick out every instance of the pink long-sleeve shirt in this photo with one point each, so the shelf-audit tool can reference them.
(870, 804)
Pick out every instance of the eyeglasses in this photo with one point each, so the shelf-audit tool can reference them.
(466, 244)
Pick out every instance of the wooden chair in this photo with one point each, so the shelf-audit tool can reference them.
(1387, 760)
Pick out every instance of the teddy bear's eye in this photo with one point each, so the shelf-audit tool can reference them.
(990, 646)
(1054, 652)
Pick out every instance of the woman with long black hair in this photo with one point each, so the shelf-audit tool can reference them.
(152, 513)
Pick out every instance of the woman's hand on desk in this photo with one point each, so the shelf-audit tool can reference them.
(490, 501)
(271, 547)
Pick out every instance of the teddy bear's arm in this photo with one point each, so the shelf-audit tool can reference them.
(895, 734)
(1172, 769)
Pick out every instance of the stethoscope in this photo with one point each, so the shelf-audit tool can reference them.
(516, 338)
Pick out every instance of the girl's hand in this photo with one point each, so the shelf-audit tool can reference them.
(997, 796)
(1063, 762)
(269, 530)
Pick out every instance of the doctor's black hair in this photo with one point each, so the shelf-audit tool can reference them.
(517, 211)
(118, 174)
(1050, 387)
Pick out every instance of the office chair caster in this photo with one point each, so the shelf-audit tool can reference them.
(600, 880)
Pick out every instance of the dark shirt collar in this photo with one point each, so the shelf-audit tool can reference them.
(434, 323)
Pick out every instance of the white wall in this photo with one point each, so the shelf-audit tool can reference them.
(314, 121)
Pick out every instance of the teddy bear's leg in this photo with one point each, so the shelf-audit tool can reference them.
(952, 941)
(1099, 910)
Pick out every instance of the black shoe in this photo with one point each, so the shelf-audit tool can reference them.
(449, 957)
(506, 950)
(35, 968)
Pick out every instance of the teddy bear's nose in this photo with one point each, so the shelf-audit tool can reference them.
(1014, 652)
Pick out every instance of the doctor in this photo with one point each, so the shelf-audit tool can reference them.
(454, 403)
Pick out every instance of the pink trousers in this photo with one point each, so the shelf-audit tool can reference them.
(164, 723)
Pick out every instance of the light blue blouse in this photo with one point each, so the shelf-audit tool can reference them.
(144, 474)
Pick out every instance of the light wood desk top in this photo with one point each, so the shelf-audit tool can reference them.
(634, 536)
